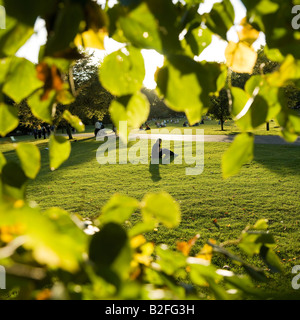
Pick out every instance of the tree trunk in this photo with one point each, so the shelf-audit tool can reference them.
(268, 126)
(222, 124)
(69, 131)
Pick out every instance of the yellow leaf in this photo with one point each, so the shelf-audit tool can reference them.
(206, 252)
(91, 39)
(240, 57)
(144, 257)
(185, 247)
(137, 241)
(248, 34)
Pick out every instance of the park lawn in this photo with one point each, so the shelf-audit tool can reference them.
(268, 187)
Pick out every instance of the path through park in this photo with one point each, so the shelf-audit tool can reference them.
(276, 140)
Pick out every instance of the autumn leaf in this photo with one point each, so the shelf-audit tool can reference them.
(91, 39)
(240, 57)
(206, 252)
(185, 247)
(247, 34)
(51, 77)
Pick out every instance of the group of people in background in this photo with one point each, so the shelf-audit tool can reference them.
(40, 131)
(147, 127)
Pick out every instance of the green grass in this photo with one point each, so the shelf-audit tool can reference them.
(268, 187)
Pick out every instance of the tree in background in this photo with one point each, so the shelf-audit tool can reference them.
(220, 107)
(86, 99)
(91, 99)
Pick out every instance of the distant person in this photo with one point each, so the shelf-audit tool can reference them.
(48, 128)
(44, 132)
(35, 133)
(97, 127)
(158, 151)
(39, 131)
(147, 127)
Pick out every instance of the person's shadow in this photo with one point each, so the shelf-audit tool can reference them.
(154, 169)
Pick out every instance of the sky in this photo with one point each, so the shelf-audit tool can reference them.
(214, 52)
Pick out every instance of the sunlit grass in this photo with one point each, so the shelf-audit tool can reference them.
(268, 187)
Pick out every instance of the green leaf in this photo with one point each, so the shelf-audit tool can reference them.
(186, 84)
(244, 283)
(271, 259)
(141, 29)
(239, 153)
(21, 80)
(42, 109)
(241, 104)
(170, 261)
(276, 20)
(118, 209)
(4, 68)
(13, 37)
(8, 119)
(65, 97)
(52, 237)
(28, 11)
(255, 273)
(201, 275)
(67, 26)
(74, 121)
(123, 72)
(254, 237)
(198, 38)
(142, 227)
(221, 18)
(131, 109)
(166, 16)
(289, 70)
(110, 251)
(30, 158)
(60, 149)
(261, 224)
(221, 81)
(290, 123)
(2, 161)
(266, 104)
(13, 175)
(162, 207)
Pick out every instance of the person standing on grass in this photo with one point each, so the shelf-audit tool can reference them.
(35, 132)
(44, 132)
(39, 131)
